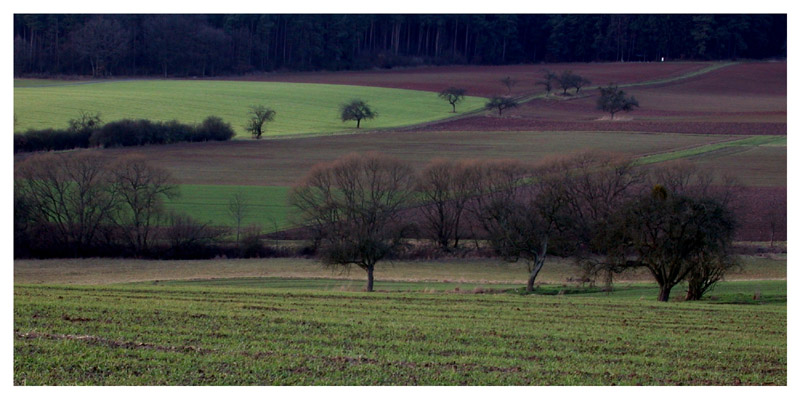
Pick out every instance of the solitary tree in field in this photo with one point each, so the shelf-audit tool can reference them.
(259, 116)
(352, 207)
(453, 95)
(613, 100)
(356, 110)
(501, 103)
(509, 83)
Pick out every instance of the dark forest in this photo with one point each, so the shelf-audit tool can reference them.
(213, 45)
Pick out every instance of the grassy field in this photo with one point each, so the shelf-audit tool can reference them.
(460, 271)
(193, 334)
(265, 205)
(300, 108)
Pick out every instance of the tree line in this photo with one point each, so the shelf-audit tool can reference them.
(220, 44)
(599, 209)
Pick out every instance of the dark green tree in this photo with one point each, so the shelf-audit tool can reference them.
(612, 100)
(676, 238)
(356, 110)
(259, 115)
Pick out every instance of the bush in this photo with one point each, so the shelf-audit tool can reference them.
(213, 128)
(50, 140)
(122, 133)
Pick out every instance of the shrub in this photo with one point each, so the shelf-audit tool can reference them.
(122, 133)
(214, 128)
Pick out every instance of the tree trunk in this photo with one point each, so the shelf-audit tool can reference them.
(370, 277)
(358, 123)
(537, 267)
(663, 293)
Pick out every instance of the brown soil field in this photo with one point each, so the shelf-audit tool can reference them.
(761, 212)
(282, 162)
(747, 98)
(484, 81)
(515, 122)
(763, 166)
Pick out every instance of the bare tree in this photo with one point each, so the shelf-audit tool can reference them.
(588, 188)
(516, 221)
(445, 187)
(548, 80)
(72, 195)
(100, 40)
(453, 95)
(352, 206)
(141, 189)
(501, 103)
(509, 83)
(238, 209)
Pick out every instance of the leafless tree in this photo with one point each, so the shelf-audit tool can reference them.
(238, 209)
(445, 186)
(101, 41)
(352, 205)
(515, 219)
(509, 83)
(140, 189)
(585, 190)
(453, 95)
(73, 195)
(500, 104)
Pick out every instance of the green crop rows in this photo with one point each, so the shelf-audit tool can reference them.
(278, 334)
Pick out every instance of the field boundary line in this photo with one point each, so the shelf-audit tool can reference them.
(700, 149)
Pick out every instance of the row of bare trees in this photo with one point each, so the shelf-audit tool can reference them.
(600, 209)
(79, 204)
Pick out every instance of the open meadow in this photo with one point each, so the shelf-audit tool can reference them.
(300, 108)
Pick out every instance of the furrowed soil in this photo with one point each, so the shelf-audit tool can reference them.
(484, 81)
(747, 99)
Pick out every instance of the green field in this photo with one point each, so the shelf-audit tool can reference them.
(301, 108)
(752, 141)
(266, 205)
(213, 334)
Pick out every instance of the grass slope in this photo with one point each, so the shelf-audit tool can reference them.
(301, 108)
(202, 335)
